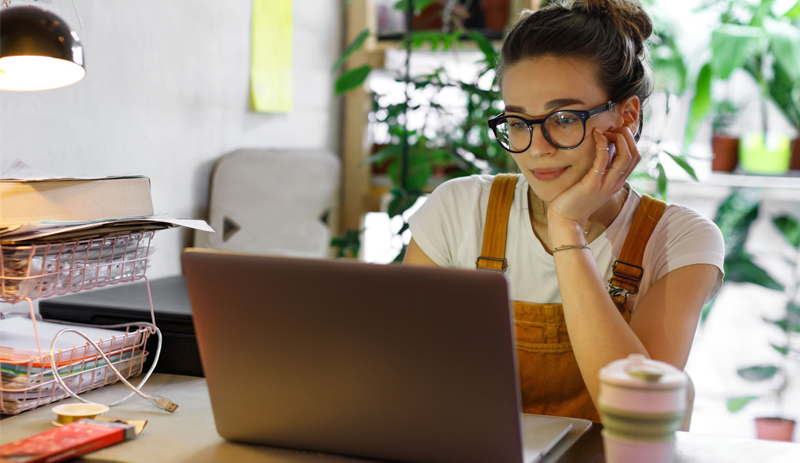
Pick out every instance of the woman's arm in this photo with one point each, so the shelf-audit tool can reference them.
(415, 255)
(666, 317)
(662, 327)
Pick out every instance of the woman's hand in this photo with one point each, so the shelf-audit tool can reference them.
(575, 205)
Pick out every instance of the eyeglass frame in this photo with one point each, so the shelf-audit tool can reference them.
(580, 114)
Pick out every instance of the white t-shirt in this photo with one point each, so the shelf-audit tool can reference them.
(449, 229)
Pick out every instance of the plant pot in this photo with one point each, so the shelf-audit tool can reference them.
(496, 14)
(775, 429)
(768, 157)
(794, 162)
(726, 153)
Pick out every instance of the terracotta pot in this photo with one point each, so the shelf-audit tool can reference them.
(775, 429)
(794, 162)
(726, 153)
(496, 13)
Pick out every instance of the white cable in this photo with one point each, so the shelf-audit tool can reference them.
(158, 401)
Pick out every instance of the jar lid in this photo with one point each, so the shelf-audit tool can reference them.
(637, 371)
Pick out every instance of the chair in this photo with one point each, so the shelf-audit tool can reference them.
(267, 201)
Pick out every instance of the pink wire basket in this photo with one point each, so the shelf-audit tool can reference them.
(30, 384)
(54, 269)
(33, 271)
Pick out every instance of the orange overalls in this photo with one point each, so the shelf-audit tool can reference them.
(550, 381)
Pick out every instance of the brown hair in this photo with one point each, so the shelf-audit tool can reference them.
(609, 33)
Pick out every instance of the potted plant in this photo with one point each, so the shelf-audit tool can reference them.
(735, 216)
(724, 145)
(765, 43)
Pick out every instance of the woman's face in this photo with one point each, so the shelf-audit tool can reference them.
(536, 87)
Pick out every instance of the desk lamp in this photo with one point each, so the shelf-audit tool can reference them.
(38, 50)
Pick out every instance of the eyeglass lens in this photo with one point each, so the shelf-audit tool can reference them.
(564, 129)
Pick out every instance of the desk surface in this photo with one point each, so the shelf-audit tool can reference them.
(189, 435)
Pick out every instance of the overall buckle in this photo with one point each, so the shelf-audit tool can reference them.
(621, 284)
(501, 270)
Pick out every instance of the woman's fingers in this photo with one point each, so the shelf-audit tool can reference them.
(627, 156)
(625, 140)
(602, 152)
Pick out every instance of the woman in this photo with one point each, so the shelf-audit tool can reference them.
(574, 79)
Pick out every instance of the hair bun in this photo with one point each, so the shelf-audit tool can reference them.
(628, 15)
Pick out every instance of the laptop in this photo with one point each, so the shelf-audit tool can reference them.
(400, 363)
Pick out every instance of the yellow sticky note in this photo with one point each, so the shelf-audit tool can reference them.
(271, 60)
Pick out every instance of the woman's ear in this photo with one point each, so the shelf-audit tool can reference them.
(630, 111)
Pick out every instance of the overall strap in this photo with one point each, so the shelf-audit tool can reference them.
(493, 251)
(627, 271)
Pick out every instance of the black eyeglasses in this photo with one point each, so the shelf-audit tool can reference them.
(563, 129)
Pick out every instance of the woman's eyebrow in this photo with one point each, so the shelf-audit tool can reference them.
(550, 105)
(561, 102)
(515, 109)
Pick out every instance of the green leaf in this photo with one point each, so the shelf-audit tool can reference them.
(790, 228)
(794, 12)
(786, 93)
(730, 45)
(401, 255)
(349, 244)
(354, 46)
(419, 171)
(661, 185)
(400, 203)
(785, 46)
(419, 5)
(353, 78)
(700, 105)
(734, 405)
(782, 324)
(681, 161)
(782, 350)
(758, 373)
(385, 153)
(734, 217)
(489, 53)
(763, 10)
(743, 270)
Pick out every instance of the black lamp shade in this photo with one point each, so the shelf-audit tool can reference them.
(38, 50)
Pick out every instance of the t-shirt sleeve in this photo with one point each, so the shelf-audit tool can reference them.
(438, 226)
(687, 238)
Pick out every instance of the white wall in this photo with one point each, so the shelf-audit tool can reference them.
(166, 94)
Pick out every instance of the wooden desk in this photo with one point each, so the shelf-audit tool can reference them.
(189, 435)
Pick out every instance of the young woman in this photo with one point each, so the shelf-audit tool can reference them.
(596, 270)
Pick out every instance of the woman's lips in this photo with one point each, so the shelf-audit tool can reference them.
(546, 175)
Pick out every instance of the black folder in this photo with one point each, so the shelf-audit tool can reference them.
(128, 302)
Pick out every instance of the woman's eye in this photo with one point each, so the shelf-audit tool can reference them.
(517, 125)
(566, 119)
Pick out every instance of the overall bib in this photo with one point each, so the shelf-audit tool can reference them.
(550, 381)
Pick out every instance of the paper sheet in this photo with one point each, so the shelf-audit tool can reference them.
(18, 339)
(72, 230)
(271, 59)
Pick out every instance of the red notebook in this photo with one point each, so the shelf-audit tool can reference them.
(66, 442)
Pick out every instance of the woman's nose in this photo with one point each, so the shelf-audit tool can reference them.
(539, 144)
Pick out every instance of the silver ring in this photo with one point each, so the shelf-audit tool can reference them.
(598, 149)
(601, 173)
(617, 171)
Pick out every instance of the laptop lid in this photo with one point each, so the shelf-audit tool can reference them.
(390, 362)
